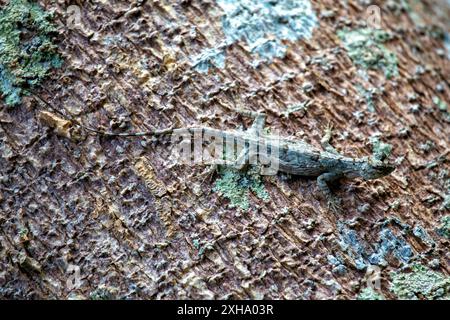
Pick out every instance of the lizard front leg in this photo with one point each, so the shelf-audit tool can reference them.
(322, 181)
(258, 123)
(240, 163)
(209, 172)
(325, 142)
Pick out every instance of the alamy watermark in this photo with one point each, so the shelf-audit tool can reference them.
(373, 17)
(215, 147)
(74, 17)
(74, 277)
(373, 277)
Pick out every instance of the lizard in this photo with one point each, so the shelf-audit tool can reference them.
(294, 157)
(299, 158)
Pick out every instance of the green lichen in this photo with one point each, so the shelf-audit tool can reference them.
(445, 203)
(440, 104)
(443, 107)
(236, 186)
(23, 232)
(421, 283)
(365, 48)
(369, 294)
(444, 228)
(380, 149)
(196, 244)
(201, 247)
(369, 96)
(102, 293)
(27, 52)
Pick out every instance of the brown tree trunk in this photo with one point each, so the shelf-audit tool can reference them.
(88, 216)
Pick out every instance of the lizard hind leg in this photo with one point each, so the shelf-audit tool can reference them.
(240, 163)
(258, 116)
(334, 203)
(209, 173)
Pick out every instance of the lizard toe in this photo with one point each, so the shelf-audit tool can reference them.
(334, 204)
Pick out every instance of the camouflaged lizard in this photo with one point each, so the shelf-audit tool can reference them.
(299, 158)
(294, 157)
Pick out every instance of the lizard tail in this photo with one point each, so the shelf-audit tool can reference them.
(102, 132)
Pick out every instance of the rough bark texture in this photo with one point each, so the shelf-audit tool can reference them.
(139, 226)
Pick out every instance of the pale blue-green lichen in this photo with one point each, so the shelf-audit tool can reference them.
(445, 203)
(440, 104)
(262, 25)
(102, 293)
(367, 50)
(391, 244)
(427, 146)
(447, 44)
(201, 247)
(423, 235)
(369, 95)
(353, 246)
(209, 57)
(420, 283)
(236, 186)
(196, 244)
(380, 150)
(363, 254)
(443, 107)
(338, 267)
(370, 294)
(444, 229)
(408, 7)
(27, 52)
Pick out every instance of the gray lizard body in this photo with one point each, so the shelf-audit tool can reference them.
(297, 157)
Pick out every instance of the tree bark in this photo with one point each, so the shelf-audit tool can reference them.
(88, 216)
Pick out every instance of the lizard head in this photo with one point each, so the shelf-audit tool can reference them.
(374, 169)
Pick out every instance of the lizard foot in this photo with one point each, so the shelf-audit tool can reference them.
(208, 174)
(334, 204)
(329, 130)
(325, 142)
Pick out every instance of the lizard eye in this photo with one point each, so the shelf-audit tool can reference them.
(377, 168)
(375, 162)
(380, 156)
